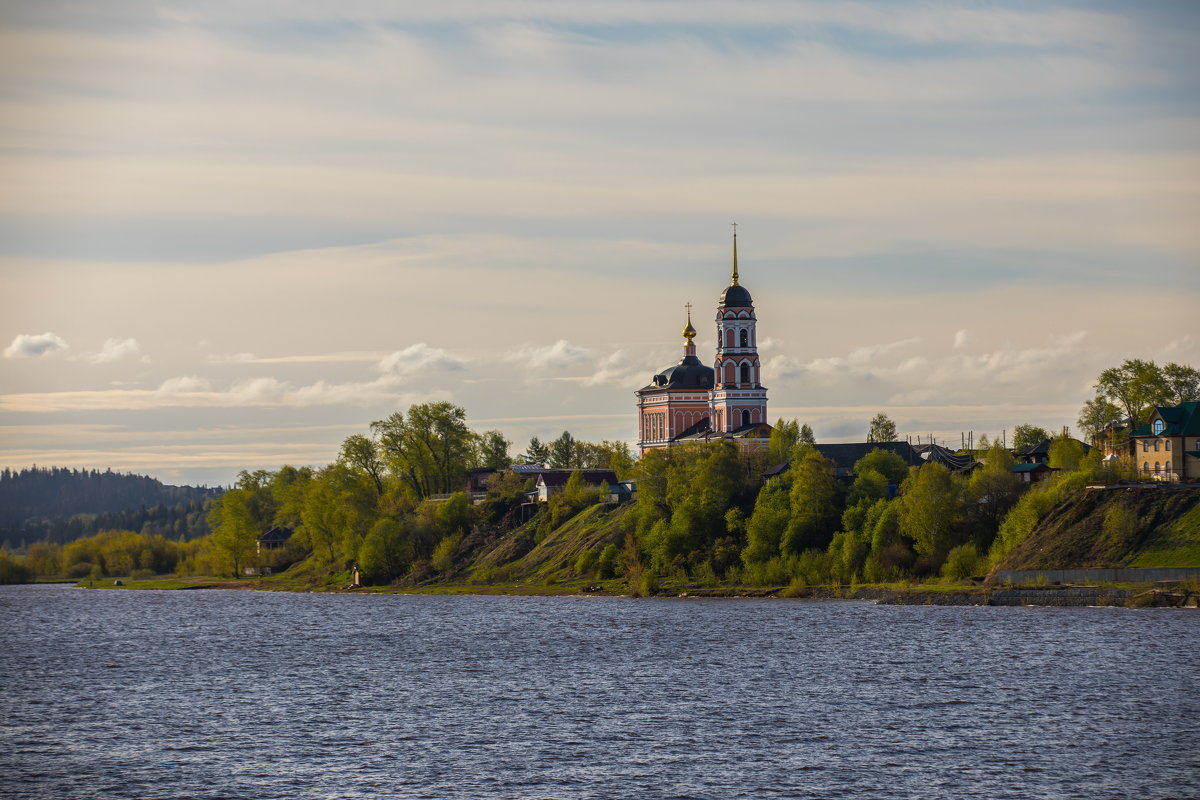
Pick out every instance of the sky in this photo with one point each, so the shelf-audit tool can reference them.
(234, 233)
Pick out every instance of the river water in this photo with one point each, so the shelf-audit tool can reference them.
(222, 694)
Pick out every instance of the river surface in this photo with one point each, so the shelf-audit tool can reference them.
(225, 694)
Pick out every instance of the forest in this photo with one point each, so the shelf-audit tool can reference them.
(58, 505)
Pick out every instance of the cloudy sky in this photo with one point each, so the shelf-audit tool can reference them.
(234, 233)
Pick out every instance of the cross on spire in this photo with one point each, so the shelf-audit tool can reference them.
(735, 271)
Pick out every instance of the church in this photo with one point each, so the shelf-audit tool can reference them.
(691, 402)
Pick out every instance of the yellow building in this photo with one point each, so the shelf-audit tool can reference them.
(1167, 448)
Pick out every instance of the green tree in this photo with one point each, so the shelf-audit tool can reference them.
(784, 437)
(768, 521)
(491, 450)
(882, 429)
(562, 453)
(994, 488)
(362, 455)
(1183, 384)
(885, 462)
(1065, 452)
(429, 449)
(232, 525)
(1096, 417)
(929, 511)
(606, 564)
(386, 552)
(536, 453)
(806, 436)
(813, 499)
(1026, 436)
(1136, 386)
(454, 515)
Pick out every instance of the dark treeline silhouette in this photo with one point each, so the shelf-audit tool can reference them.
(57, 504)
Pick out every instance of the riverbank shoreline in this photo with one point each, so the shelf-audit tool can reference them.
(1114, 595)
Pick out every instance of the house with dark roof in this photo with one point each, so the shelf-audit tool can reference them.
(274, 539)
(553, 481)
(845, 455)
(1032, 471)
(1040, 452)
(1167, 447)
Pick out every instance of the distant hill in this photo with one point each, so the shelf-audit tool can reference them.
(1121, 527)
(58, 504)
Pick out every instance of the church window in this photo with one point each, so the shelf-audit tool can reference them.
(730, 373)
(745, 416)
(1158, 427)
(745, 338)
(745, 373)
(729, 338)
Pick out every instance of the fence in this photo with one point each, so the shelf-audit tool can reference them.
(1115, 575)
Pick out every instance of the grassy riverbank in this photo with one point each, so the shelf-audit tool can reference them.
(1186, 594)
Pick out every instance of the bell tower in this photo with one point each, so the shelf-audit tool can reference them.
(739, 400)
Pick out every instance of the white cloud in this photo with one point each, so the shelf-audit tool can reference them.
(549, 358)
(33, 345)
(313, 358)
(960, 339)
(418, 358)
(620, 368)
(115, 350)
(185, 384)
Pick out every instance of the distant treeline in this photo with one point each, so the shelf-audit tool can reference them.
(57, 504)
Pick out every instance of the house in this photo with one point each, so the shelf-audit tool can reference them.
(553, 481)
(1167, 447)
(845, 455)
(478, 479)
(1032, 471)
(274, 539)
(1040, 452)
(622, 492)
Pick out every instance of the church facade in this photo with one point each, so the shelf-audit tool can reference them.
(694, 402)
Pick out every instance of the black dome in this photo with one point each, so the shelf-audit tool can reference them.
(687, 374)
(737, 297)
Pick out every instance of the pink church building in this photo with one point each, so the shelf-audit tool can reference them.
(693, 402)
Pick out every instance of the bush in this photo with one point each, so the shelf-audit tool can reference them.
(585, 563)
(606, 564)
(12, 570)
(961, 562)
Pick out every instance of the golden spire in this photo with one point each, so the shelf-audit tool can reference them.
(735, 275)
(689, 332)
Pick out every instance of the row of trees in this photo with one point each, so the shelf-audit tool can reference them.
(1125, 395)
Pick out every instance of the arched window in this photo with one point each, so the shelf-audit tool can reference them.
(745, 373)
(1145, 466)
(745, 338)
(745, 416)
(1167, 445)
(1145, 446)
(1156, 445)
(1157, 467)
(1158, 427)
(730, 373)
(729, 337)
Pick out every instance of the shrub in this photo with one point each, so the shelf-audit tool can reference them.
(585, 563)
(961, 562)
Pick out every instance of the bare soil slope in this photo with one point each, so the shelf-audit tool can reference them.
(1134, 526)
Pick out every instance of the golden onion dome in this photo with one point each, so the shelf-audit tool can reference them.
(689, 332)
